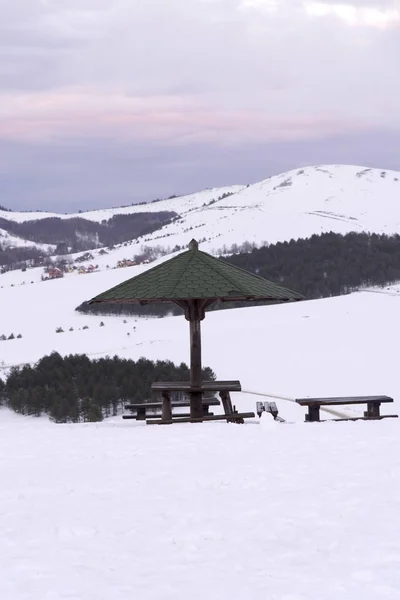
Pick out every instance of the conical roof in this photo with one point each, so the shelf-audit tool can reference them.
(195, 275)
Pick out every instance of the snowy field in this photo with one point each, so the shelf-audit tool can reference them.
(211, 511)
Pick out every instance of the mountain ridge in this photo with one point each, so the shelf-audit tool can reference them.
(294, 204)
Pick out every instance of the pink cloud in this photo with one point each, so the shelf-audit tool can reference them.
(166, 119)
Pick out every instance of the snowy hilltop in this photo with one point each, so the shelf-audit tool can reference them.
(295, 204)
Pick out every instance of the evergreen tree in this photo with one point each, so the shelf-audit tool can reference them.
(75, 389)
(94, 414)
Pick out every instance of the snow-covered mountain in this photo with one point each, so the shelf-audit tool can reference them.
(295, 204)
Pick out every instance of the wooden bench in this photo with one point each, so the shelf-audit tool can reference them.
(373, 406)
(223, 387)
(146, 410)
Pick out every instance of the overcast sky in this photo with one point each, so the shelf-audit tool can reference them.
(106, 102)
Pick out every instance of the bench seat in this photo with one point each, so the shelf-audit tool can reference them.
(373, 406)
(342, 400)
(144, 410)
(206, 401)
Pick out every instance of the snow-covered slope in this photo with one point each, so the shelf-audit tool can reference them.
(7, 240)
(335, 346)
(294, 204)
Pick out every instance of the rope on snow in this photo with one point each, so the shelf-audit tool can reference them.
(331, 411)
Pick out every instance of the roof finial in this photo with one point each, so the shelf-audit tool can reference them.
(194, 245)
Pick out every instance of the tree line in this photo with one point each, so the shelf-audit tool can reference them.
(323, 265)
(81, 234)
(326, 265)
(76, 389)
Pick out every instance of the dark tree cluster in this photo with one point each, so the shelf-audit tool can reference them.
(324, 265)
(81, 234)
(75, 388)
(123, 228)
(18, 258)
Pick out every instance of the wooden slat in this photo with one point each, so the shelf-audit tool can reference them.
(143, 404)
(180, 415)
(206, 386)
(206, 402)
(343, 400)
(232, 417)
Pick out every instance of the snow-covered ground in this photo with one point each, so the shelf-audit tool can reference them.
(216, 511)
(295, 204)
(262, 511)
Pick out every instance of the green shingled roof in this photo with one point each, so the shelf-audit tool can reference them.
(195, 275)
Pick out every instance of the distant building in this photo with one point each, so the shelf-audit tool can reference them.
(52, 273)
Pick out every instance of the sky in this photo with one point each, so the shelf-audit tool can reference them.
(104, 103)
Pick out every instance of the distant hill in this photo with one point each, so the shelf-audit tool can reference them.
(295, 204)
(80, 234)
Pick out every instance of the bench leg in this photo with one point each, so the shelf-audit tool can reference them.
(313, 413)
(166, 406)
(196, 405)
(373, 410)
(141, 414)
(227, 404)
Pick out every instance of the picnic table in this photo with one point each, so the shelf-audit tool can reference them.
(372, 413)
(144, 410)
(224, 388)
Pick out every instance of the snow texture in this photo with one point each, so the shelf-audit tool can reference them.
(216, 511)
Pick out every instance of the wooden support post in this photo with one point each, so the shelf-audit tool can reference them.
(227, 404)
(166, 414)
(313, 413)
(141, 413)
(373, 410)
(195, 313)
(196, 398)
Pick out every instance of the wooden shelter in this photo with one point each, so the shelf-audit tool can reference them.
(194, 280)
